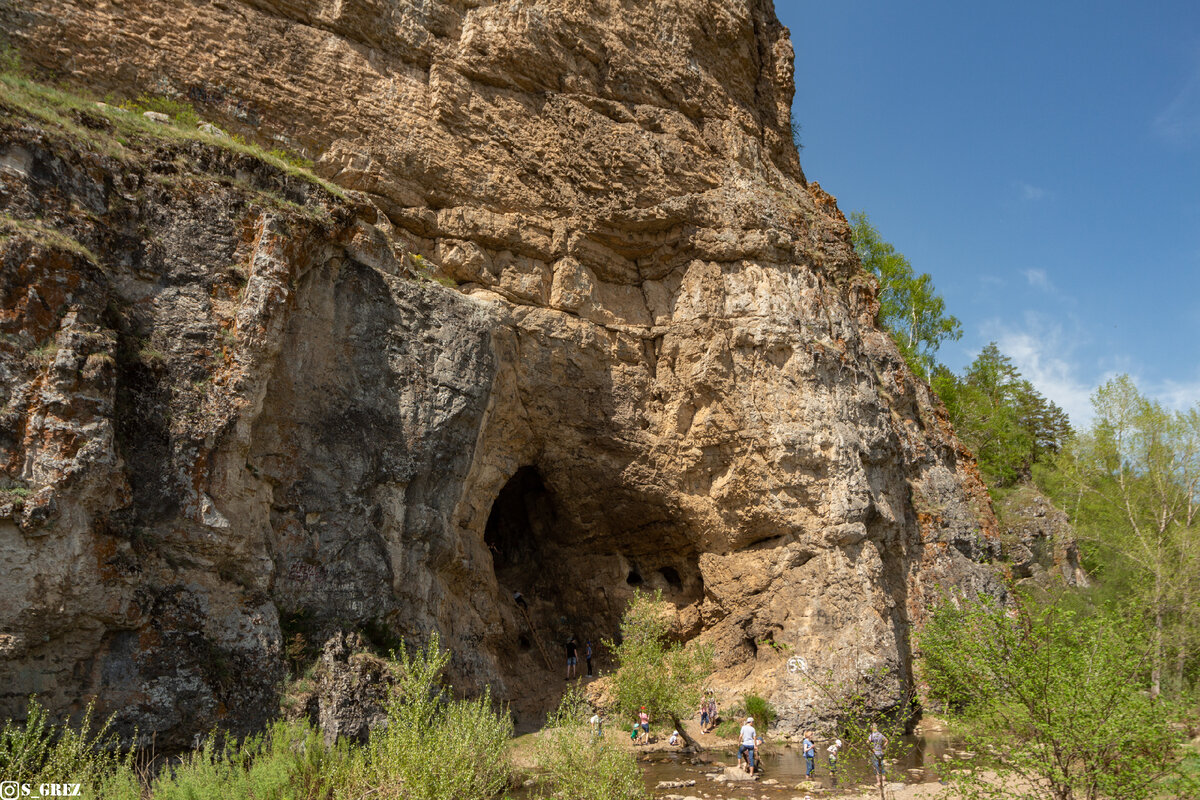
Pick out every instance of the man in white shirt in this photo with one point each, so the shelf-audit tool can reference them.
(749, 738)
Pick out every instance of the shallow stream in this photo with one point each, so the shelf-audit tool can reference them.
(785, 765)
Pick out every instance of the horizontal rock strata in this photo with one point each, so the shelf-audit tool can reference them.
(241, 408)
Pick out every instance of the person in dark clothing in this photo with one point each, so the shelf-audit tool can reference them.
(519, 600)
(587, 656)
(572, 657)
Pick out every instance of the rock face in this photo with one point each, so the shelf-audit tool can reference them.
(656, 366)
(1038, 540)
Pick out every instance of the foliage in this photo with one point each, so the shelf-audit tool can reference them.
(762, 711)
(10, 60)
(1057, 696)
(580, 766)
(288, 761)
(909, 306)
(666, 677)
(41, 752)
(1132, 485)
(434, 747)
(998, 414)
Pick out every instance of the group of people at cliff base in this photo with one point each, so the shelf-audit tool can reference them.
(750, 741)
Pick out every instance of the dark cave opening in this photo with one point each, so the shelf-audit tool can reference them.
(522, 517)
(671, 576)
(576, 561)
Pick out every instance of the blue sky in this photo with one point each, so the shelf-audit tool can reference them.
(1040, 160)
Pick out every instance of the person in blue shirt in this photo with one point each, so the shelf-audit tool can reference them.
(810, 754)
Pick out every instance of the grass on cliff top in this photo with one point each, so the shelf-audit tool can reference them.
(69, 112)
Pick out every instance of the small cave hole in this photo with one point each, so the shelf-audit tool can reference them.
(523, 642)
(671, 576)
(634, 578)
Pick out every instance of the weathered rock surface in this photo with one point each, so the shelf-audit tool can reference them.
(1038, 539)
(659, 366)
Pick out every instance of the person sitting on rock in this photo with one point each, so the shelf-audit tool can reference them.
(674, 740)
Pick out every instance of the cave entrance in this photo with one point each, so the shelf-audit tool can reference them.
(576, 559)
(521, 521)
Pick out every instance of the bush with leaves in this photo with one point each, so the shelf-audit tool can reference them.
(1060, 698)
(578, 764)
(433, 746)
(287, 761)
(652, 671)
(41, 752)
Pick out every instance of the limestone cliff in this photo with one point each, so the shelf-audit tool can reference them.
(657, 365)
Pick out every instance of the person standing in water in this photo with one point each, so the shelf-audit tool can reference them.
(572, 657)
(833, 754)
(810, 755)
(878, 742)
(749, 738)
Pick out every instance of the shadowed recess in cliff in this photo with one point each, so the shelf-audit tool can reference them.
(576, 554)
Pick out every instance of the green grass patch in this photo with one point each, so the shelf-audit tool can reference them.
(45, 235)
(115, 130)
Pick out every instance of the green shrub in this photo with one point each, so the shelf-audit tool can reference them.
(1060, 699)
(42, 752)
(434, 747)
(577, 765)
(762, 711)
(288, 157)
(664, 676)
(10, 61)
(288, 761)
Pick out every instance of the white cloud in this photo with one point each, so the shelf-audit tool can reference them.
(1175, 395)
(1030, 192)
(1044, 353)
(1038, 279)
(1179, 122)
